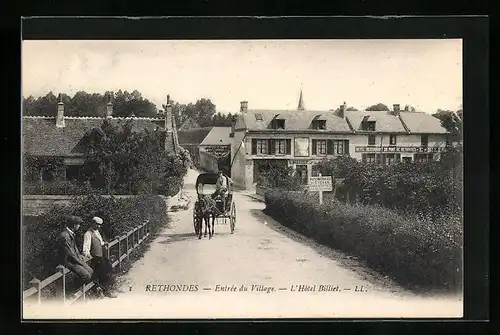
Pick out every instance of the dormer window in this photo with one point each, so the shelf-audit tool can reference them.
(278, 124)
(319, 124)
(258, 117)
(367, 124)
(370, 125)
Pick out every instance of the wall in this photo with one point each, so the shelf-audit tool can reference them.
(208, 162)
(238, 167)
(38, 204)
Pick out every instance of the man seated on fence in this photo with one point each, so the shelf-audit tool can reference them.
(93, 245)
(221, 188)
(69, 254)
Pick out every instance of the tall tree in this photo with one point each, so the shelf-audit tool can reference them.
(450, 121)
(378, 107)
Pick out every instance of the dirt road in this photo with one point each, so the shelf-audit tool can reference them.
(263, 270)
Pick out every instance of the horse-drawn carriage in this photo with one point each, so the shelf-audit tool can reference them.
(210, 204)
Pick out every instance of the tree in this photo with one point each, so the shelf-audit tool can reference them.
(409, 108)
(451, 121)
(378, 107)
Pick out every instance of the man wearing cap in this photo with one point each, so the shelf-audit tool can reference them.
(222, 186)
(93, 244)
(69, 254)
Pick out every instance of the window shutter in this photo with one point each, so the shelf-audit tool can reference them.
(346, 147)
(288, 145)
(254, 146)
(314, 142)
(329, 147)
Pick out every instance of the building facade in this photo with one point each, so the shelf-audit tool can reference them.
(215, 150)
(302, 138)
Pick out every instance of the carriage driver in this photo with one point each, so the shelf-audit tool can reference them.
(221, 187)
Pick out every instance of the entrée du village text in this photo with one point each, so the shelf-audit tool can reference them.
(253, 288)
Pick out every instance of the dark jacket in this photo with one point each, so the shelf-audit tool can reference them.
(68, 251)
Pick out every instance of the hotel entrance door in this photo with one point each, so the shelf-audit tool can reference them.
(302, 173)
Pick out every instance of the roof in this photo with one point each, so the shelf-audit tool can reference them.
(218, 136)
(423, 123)
(207, 178)
(294, 120)
(385, 122)
(193, 136)
(41, 137)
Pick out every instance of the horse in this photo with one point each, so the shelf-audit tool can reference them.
(206, 208)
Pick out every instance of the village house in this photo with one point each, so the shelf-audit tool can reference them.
(302, 138)
(215, 150)
(62, 138)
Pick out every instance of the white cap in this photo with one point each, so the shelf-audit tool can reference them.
(97, 220)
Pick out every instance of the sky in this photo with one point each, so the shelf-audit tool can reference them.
(269, 74)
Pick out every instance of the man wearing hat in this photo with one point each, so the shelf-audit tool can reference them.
(222, 186)
(93, 244)
(69, 254)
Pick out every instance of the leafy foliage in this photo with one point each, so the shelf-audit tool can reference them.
(133, 163)
(417, 252)
(280, 177)
(432, 187)
(90, 104)
(378, 107)
(451, 121)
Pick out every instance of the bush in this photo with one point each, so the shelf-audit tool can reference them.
(431, 187)
(59, 187)
(119, 215)
(280, 177)
(416, 252)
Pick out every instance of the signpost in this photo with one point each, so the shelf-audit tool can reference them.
(320, 184)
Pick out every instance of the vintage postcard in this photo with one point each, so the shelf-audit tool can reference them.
(208, 179)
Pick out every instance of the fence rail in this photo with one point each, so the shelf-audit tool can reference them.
(136, 235)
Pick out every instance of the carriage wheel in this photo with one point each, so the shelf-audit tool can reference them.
(196, 231)
(233, 217)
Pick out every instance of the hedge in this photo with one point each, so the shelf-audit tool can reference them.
(119, 215)
(418, 254)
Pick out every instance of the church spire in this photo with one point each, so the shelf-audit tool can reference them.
(301, 106)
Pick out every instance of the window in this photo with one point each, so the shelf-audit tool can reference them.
(319, 124)
(278, 124)
(406, 159)
(393, 158)
(392, 139)
(301, 147)
(319, 147)
(424, 140)
(258, 117)
(338, 148)
(47, 175)
(280, 147)
(423, 157)
(368, 158)
(371, 139)
(370, 126)
(379, 159)
(261, 147)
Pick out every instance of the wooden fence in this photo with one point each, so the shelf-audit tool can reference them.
(124, 246)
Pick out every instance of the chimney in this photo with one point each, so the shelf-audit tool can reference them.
(396, 109)
(109, 107)
(60, 113)
(342, 110)
(244, 107)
